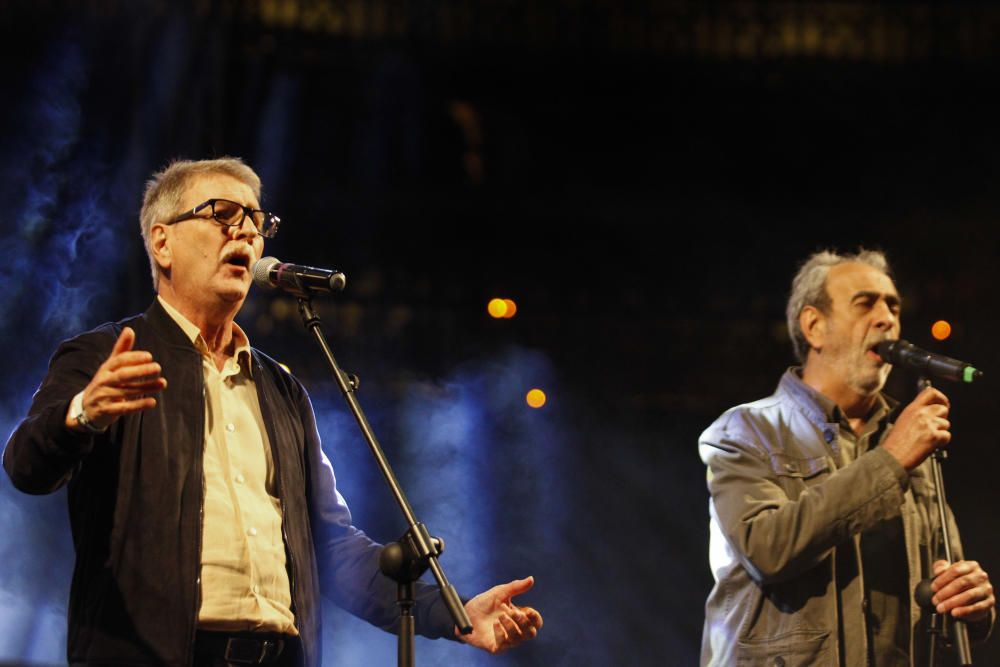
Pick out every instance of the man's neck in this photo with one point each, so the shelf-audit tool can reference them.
(855, 405)
(214, 323)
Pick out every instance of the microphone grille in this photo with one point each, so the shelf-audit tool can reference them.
(889, 349)
(262, 270)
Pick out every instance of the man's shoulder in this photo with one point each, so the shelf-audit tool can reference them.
(104, 334)
(767, 422)
(750, 416)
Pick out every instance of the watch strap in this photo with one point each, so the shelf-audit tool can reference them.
(81, 418)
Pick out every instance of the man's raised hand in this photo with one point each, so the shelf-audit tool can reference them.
(122, 385)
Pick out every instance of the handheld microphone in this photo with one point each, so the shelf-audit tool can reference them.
(302, 281)
(903, 353)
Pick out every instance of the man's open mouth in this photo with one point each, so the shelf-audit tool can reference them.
(238, 259)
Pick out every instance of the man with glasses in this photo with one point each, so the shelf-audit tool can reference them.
(205, 516)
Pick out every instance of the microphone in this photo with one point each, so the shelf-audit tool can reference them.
(903, 353)
(302, 281)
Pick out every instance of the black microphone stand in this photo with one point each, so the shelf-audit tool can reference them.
(416, 551)
(959, 632)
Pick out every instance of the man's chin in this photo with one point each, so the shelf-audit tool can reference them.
(869, 386)
(233, 294)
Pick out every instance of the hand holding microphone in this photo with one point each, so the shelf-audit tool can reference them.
(923, 426)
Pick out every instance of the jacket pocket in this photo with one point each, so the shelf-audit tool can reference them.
(800, 648)
(795, 473)
(784, 465)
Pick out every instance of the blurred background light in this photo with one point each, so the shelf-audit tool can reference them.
(535, 398)
(941, 330)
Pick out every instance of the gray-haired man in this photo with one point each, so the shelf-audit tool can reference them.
(822, 509)
(205, 516)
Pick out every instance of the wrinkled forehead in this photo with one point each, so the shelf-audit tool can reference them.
(851, 278)
(201, 187)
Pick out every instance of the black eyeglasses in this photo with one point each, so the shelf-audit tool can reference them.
(231, 214)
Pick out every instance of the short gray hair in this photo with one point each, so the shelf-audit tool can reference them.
(809, 288)
(165, 188)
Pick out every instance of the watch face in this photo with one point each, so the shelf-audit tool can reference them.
(85, 423)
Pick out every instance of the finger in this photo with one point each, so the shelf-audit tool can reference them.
(946, 576)
(130, 358)
(932, 396)
(127, 407)
(510, 627)
(938, 410)
(499, 637)
(141, 388)
(533, 617)
(132, 393)
(956, 594)
(144, 386)
(525, 627)
(970, 598)
(124, 343)
(958, 577)
(519, 617)
(134, 373)
(976, 612)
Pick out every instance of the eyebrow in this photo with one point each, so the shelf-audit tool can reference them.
(891, 299)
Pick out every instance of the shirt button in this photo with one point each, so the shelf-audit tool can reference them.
(230, 427)
(778, 662)
(251, 531)
(240, 479)
(828, 435)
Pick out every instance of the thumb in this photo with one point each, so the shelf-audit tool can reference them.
(516, 587)
(124, 342)
(939, 566)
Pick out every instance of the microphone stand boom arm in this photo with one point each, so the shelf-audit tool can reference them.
(417, 550)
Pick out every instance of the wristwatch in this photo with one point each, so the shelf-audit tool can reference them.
(81, 418)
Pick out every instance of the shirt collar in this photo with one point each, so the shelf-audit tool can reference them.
(193, 333)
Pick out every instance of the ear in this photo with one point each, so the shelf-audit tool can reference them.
(159, 246)
(813, 324)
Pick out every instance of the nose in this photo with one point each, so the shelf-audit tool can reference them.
(245, 230)
(885, 317)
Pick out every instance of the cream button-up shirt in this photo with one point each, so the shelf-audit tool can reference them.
(244, 581)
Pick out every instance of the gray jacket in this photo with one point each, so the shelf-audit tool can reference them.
(780, 505)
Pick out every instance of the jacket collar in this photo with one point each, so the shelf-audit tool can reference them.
(817, 407)
(164, 326)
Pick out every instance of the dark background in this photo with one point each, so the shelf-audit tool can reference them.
(642, 180)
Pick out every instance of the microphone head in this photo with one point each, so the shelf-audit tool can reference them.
(338, 281)
(887, 349)
(262, 272)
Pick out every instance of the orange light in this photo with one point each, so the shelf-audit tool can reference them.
(940, 330)
(535, 398)
(497, 308)
(511, 308)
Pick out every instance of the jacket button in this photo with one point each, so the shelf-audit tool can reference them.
(778, 662)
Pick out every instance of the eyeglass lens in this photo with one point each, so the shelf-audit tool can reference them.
(231, 213)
